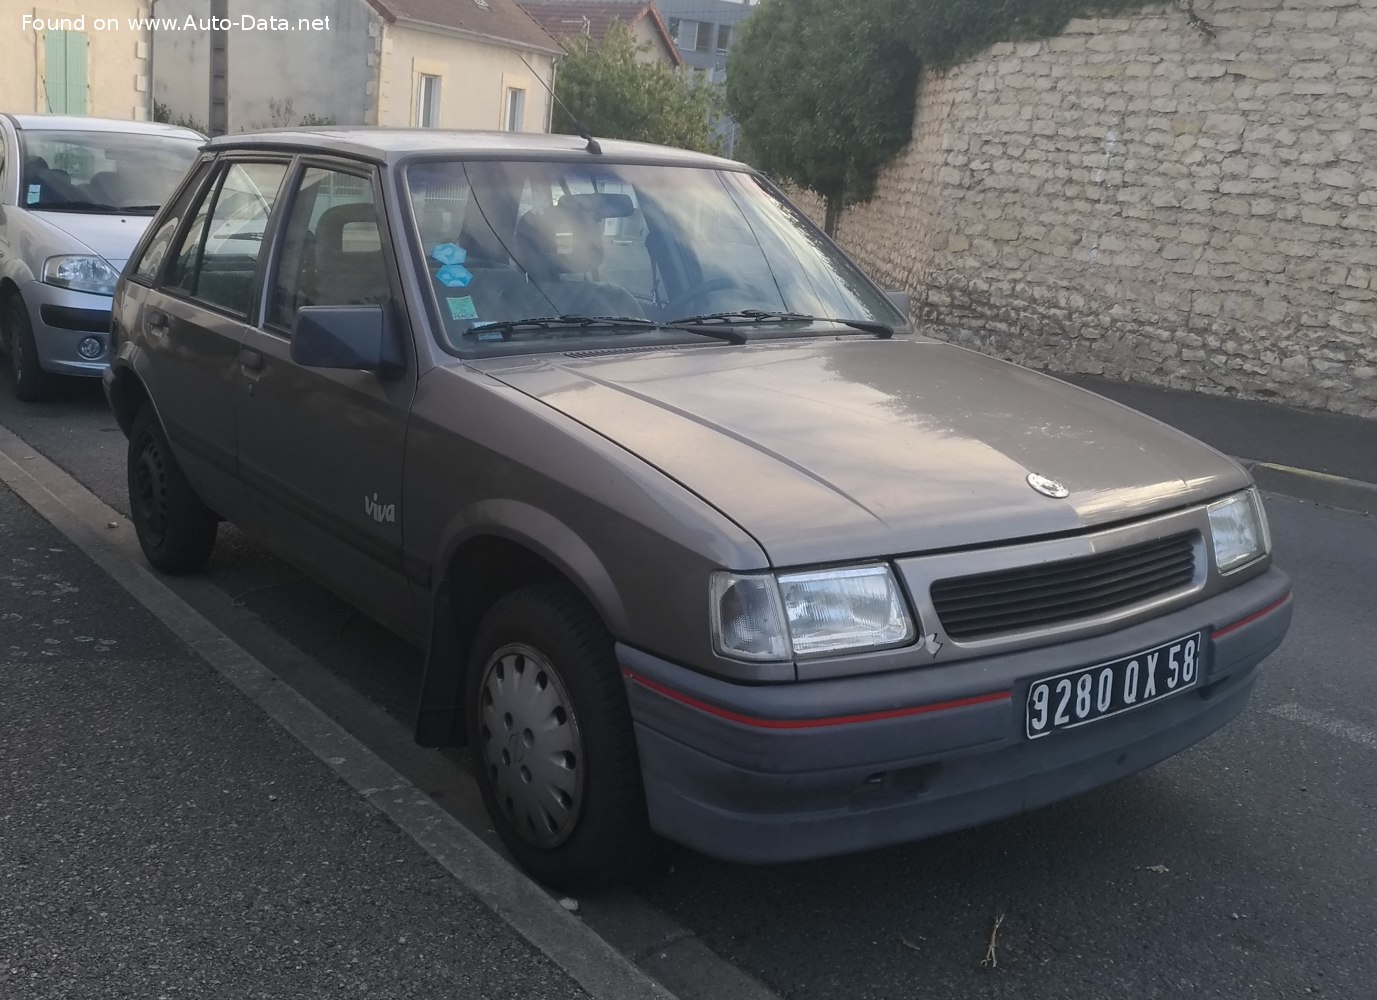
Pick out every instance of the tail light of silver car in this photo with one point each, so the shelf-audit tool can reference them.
(764, 616)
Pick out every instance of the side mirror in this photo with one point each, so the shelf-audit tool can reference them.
(900, 299)
(360, 338)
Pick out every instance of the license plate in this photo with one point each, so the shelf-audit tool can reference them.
(1090, 694)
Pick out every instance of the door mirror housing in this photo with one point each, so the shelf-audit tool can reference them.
(359, 338)
(901, 301)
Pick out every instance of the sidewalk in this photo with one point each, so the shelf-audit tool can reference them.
(1325, 457)
(160, 836)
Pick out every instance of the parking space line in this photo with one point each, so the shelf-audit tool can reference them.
(108, 539)
(1360, 735)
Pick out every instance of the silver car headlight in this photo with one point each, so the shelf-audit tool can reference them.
(81, 273)
(761, 616)
(1238, 528)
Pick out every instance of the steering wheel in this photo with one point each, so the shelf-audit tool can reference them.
(679, 305)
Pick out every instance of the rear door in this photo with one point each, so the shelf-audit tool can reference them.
(203, 267)
(321, 450)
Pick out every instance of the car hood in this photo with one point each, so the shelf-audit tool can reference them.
(111, 236)
(836, 449)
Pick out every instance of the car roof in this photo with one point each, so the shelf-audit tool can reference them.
(81, 123)
(389, 145)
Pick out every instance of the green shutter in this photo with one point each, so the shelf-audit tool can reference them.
(65, 72)
(76, 73)
(55, 71)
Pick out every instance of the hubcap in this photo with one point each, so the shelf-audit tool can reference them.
(150, 491)
(531, 745)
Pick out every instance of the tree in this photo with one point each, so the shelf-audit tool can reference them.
(824, 93)
(617, 96)
(825, 90)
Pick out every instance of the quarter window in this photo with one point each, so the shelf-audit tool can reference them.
(332, 250)
(218, 258)
(156, 250)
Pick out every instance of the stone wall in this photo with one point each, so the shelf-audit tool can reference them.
(1136, 199)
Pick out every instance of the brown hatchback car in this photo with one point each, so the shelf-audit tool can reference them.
(701, 538)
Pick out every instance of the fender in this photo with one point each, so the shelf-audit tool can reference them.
(548, 537)
(439, 715)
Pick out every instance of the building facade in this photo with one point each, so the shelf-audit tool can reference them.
(425, 63)
(76, 57)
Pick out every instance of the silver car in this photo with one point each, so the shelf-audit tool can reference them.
(75, 196)
(702, 538)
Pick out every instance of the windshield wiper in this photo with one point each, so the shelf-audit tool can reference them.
(881, 330)
(506, 326)
(73, 206)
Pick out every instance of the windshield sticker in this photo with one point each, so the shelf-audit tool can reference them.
(449, 253)
(461, 307)
(454, 276)
(34, 192)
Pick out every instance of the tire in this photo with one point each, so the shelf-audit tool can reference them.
(551, 731)
(176, 530)
(31, 383)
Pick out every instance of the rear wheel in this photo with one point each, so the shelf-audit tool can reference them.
(557, 760)
(31, 383)
(176, 530)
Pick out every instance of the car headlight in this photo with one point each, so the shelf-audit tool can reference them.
(761, 616)
(1238, 528)
(81, 273)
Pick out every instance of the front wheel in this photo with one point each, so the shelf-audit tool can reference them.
(176, 529)
(31, 383)
(557, 760)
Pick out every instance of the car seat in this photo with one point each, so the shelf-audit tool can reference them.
(555, 242)
(349, 265)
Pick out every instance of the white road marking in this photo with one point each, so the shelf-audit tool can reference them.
(1360, 735)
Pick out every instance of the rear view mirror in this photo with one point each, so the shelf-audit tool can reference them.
(353, 337)
(601, 205)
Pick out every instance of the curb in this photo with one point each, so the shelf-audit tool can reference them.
(1319, 487)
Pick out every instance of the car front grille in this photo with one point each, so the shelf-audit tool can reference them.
(1014, 600)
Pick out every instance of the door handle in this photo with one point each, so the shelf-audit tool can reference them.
(250, 360)
(157, 319)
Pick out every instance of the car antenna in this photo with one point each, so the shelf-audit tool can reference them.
(579, 128)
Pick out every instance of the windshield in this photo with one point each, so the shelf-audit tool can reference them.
(506, 242)
(129, 173)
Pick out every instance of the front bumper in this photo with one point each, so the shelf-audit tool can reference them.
(788, 772)
(61, 319)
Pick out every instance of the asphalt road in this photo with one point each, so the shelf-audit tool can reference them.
(1243, 868)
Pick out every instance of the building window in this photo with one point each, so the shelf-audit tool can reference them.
(514, 110)
(428, 101)
(724, 37)
(684, 33)
(703, 42)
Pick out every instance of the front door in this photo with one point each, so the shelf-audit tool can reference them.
(320, 450)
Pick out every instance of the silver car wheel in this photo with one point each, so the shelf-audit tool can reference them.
(531, 745)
